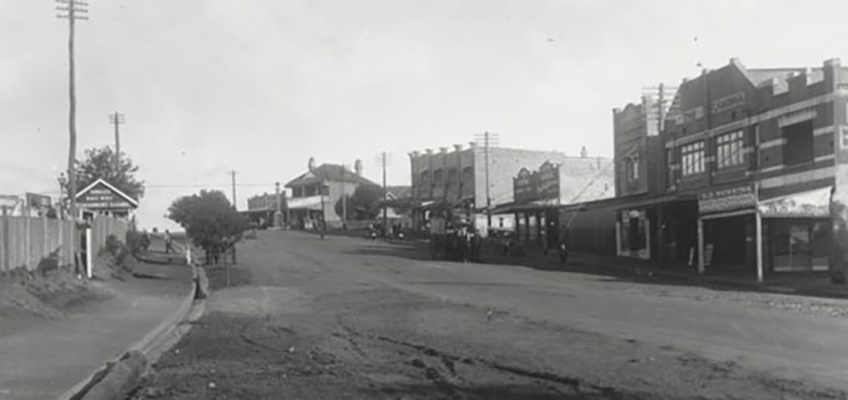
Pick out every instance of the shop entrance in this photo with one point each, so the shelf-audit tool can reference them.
(727, 243)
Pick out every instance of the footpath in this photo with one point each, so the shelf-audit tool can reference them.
(49, 357)
(814, 284)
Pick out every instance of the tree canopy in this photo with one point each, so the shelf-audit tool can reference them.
(209, 219)
(100, 163)
(364, 204)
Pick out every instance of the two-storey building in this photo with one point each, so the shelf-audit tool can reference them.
(315, 192)
(475, 179)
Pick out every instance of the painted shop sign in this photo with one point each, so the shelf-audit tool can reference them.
(812, 204)
(548, 182)
(524, 186)
(727, 199)
(537, 185)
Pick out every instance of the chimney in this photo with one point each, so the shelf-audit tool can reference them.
(584, 153)
(357, 167)
(311, 164)
(457, 147)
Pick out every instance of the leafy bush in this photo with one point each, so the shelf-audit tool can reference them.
(137, 241)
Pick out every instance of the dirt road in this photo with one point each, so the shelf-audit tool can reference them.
(345, 318)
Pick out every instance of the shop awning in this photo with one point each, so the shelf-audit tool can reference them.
(811, 204)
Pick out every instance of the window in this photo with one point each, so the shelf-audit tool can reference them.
(799, 143)
(633, 168)
(844, 139)
(729, 149)
(692, 158)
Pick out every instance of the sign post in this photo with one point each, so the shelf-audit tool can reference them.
(88, 259)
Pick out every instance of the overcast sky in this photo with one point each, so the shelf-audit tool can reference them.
(259, 86)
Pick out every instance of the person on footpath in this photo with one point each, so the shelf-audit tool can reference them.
(563, 252)
(169, 243)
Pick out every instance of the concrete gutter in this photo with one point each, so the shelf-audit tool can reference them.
(119, 377)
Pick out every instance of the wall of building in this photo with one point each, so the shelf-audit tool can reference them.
(504, 164)
(436, 175)
(586, 179)
(589, 230)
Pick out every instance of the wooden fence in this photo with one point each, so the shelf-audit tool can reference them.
(24, 241)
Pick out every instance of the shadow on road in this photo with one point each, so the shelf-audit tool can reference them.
(634, 272)
(489, 392)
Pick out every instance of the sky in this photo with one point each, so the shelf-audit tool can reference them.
(258, 87)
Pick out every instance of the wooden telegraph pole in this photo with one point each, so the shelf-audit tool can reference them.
(72, 10)
(117, 119)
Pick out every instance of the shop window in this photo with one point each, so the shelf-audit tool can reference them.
(729, 149)
(692, 158)
(799, 143)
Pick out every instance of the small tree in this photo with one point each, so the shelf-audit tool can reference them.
(209, 220)
(364, 204)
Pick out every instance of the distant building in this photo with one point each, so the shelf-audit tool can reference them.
(458, 177)
(321, 186)
(539, 194)
(261, 209)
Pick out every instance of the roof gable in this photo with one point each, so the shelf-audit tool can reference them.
(329, 173)
(115, 190)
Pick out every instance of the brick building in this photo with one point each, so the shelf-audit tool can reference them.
(262, 208)
(745, 177)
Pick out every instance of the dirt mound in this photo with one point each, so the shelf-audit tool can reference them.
(115, 261)
(43, 294)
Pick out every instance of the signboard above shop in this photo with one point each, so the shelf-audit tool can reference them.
(537, 185)
(102, 196)
(812, 204)
(729, 199)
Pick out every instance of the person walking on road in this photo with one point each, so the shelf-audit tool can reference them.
(563, 252)
(169, 244)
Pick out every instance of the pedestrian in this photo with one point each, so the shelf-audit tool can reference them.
(168, 242)
(563, 253)
(145, 240)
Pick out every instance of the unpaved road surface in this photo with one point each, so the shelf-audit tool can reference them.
(345, 318)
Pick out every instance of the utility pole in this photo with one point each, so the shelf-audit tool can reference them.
(233, 174)
(344, 199)
(385, 199)
(489, 139)
(278, 215)
(117, 119)
(488, 196)
(72, 10)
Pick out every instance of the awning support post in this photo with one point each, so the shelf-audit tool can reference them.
(758, 241)
(700, 246)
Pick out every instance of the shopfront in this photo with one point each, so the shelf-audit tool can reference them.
(634, 232)
(737, 231)
(798, 231)
(729, 231)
